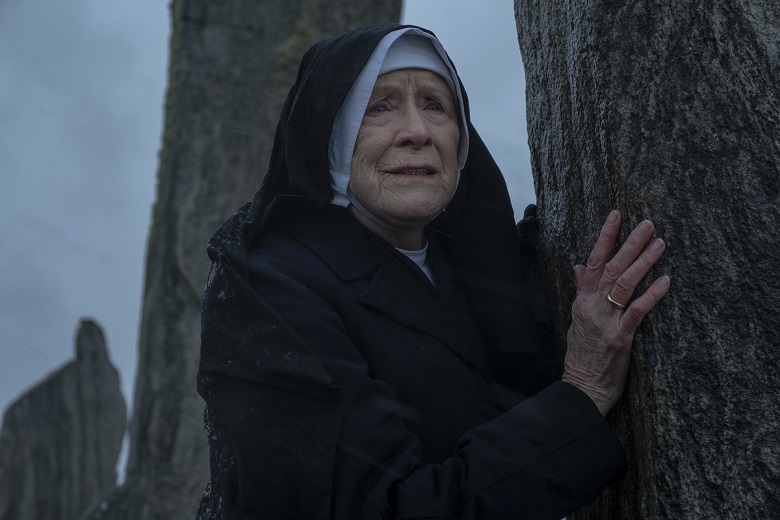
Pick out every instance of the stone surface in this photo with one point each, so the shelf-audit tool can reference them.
(231, 66)
(60, 440)
(671, 111)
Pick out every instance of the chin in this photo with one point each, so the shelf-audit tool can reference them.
(418, 214)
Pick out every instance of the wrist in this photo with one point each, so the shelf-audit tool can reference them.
(599, 398)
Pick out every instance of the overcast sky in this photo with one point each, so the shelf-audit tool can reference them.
(81, 94)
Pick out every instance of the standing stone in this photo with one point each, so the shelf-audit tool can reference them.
(231, 66)
(60, 441)
(671, 111)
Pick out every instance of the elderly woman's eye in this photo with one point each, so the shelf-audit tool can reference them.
(434, 106)
(377, 109)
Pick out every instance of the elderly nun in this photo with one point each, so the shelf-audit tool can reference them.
(373, 344)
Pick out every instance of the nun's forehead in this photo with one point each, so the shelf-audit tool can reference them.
(418, 81)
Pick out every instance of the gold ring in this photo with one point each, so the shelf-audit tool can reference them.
(615, 303)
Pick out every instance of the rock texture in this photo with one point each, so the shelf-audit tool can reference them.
(231, 66)
(60, 441)
(671, 111)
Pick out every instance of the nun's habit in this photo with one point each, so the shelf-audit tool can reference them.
(343, 381)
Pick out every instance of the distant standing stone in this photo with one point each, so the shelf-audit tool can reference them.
(60, 441)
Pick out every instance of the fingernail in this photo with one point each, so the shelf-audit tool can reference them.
(645, 225)
(656, 245)
(613, 216)
(664, 282)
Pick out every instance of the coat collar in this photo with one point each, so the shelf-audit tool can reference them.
(394, 285)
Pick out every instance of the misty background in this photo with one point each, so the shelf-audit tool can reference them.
(82, 86)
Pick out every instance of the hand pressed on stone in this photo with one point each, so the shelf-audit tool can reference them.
(600, 336)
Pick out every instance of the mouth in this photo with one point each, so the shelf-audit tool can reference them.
(420, 171)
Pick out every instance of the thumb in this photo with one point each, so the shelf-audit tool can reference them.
(579, 271)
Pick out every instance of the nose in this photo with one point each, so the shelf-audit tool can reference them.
(414, 130)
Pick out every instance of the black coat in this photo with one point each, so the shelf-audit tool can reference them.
(338, 380)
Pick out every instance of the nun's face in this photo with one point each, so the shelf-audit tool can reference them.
(404, 167)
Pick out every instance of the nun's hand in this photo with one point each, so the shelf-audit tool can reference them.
(604, 318)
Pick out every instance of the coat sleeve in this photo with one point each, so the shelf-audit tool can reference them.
(543, 458)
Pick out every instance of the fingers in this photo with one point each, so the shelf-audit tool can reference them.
(622, 289)
(639, 308)
(598, 258)
(619, 276)
(626, 256)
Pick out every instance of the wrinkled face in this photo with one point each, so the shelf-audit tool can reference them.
(404, 167)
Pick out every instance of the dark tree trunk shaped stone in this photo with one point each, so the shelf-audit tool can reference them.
(231, 66)
(671, 111)
(60, 440)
